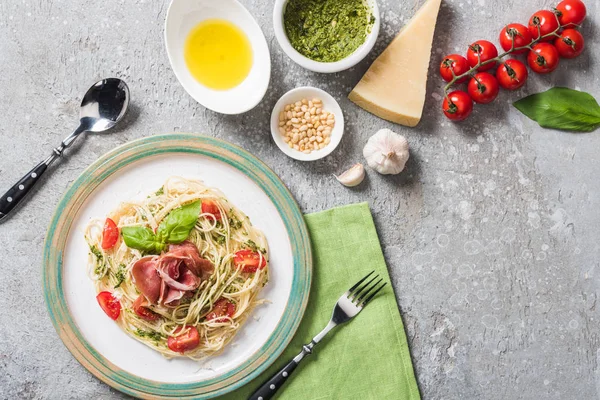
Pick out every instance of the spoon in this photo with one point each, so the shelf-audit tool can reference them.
(102, 107)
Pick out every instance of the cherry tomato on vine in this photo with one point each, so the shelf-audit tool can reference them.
(483, 88)
(456, 63)
(482, 50)
(521, 35)
(457, 105)
(570, 12)
(570, 43)
(512, 74)
(543, 58)
(546, 21)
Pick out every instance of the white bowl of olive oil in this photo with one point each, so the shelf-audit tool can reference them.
(218, 53)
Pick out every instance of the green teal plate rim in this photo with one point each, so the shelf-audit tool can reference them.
(109, 164)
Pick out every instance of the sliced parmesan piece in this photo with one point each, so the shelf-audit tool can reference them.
(394, 86)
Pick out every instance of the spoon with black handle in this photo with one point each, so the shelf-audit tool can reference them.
(104, 104)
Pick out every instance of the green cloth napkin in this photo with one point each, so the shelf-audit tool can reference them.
(367, 358)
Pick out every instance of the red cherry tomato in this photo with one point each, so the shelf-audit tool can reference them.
(521, 35)
(457, 105)
(210, 207)
(512, 74)
(570, 12)
(142, 311)
(547, 23)
(483, 88)
(482, 50)
(221, 308)
(249, 260)
(456, 63)
(186, 342)
(110, 305)
(570, 43)
(543, 58)
(110, 234)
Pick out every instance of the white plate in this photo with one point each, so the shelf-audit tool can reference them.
(182, 17)
(329, 104)
(132, 172)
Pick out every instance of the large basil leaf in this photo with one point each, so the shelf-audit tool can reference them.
(142, 238)
(562, 108)
(176, 227)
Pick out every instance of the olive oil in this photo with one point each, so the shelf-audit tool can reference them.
(218, 54)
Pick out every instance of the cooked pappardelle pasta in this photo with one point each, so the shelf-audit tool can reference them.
(179, 271)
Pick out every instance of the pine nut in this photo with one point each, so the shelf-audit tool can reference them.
(305, 126)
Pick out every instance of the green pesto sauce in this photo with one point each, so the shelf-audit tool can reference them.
(327, 30)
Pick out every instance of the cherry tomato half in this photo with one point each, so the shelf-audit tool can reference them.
(142, 311)
(456, 63)
(546, 21)
(483, 88)
(521, 35)
(459, 107)
(543, 58)
(186, 342)
(221, 308)
(110, 234)
(249, 260)
(570, 43)
(482, 50)
(570, 12)
(210, 207)
(512, 74)
(110, 305)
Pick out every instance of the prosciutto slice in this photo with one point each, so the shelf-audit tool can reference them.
(165, 279)
(188, 253)
(177, 279)
(146, 278)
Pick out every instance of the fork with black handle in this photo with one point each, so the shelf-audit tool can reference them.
(347, 307)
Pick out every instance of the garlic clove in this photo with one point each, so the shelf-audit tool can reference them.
(386, 152)
(353, 176)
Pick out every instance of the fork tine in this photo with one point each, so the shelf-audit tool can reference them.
(359, 282)
(364, 303)
(365, 293)
(361, 289)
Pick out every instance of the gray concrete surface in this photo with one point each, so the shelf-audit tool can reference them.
(491, 234)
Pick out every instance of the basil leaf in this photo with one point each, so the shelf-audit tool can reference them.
(142, 238)
(176, 227)
(562, 108)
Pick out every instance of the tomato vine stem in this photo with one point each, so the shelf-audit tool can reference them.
(471, 72)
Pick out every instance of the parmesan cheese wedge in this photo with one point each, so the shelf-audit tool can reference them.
(394, 86)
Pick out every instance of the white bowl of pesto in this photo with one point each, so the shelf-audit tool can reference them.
(326, 35)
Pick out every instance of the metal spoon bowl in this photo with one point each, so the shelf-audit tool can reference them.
(102, 107)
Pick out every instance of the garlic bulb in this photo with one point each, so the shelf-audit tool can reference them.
(352, 177)
(386, 152)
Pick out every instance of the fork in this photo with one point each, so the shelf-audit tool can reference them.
(347, 307)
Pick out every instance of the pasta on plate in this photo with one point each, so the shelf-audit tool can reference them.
(179, 271)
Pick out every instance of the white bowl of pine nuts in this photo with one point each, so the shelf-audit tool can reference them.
(307, 123)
